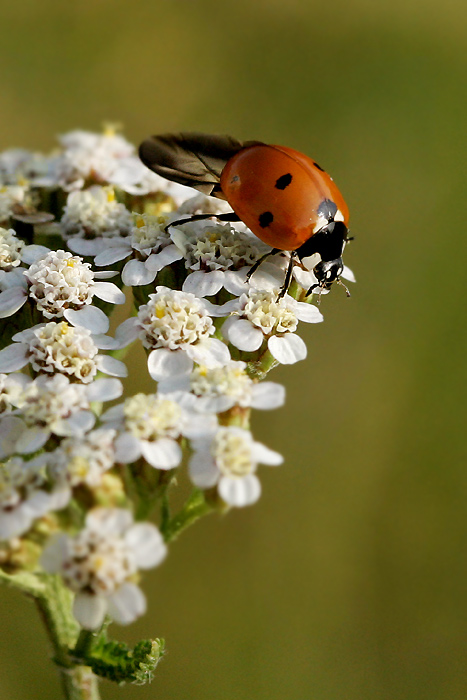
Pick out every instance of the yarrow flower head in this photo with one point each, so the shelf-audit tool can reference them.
(176, 327)
(12, 198)
(60, 348)
(152, 426)
(52, 405)
(100, 564)
(228, 458)
(11, 248)
(150, 247)
(62, 285)
(24, 496)
(259, 316)
(83, 460)
(11, 387)
(218, 389)
(217, 255)
(93, 217)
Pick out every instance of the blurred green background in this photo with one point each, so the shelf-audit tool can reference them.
(347, 580)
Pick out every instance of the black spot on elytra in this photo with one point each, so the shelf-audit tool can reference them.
(318, 166)
(283, 181)
(265, 219)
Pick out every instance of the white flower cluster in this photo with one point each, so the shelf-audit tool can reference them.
(210, 333)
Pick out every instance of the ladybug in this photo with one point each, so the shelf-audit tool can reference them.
(284, 197)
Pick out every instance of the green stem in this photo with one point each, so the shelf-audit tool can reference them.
(54, 602)
(195, 507)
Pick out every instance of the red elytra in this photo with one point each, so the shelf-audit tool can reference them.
(285, 183)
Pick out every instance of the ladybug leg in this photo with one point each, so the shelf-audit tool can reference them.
(260, 260)
(288, 276)
(230, 216)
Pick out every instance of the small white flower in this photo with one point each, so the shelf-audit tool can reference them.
(218, 256)
(62, 285)
(150, 247)
(12, 162)
(10, 249)
(13, 251)
(259, 316)
(52, 405)
(92, 217)
(176, 327)
(11, 197)
(58, 347)
(83, 460)
(229, 458)
(100, 564)
(220, 388)
(151, 426)
(11, 387)
(23, 497)
(91, 156)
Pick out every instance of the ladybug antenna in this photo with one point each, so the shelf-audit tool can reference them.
(339, 281)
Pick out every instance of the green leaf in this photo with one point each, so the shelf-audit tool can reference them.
(118, 663)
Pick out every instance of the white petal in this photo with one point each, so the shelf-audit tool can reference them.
(79, 422)
(202, 469)
(54, 554)
(87, 248)
(112, 255)
(127, 603)
(210, 353)
(214, 404)
(163, 363)
(235, 282)
(146, 545)
(167, 256)
(347, 274)
(112, 366)
(239, 491)
(89, 610)
(288, 349)
(14, 357)
(216, 310)
(268, 277)
(33, 253)
(127, 448)
(307, 312)
(104, 390)
(11, 428)
(31, 440)
(197, 426)
(108, 291)
(264, 455)
(15, 522)
(135, 273)
(89, 317)
(105, 274)
(244, 335)
(11, 300)
(115, 414)
(109, 521)
(204, 284)
(104, 342)
(162, 454)
(268, 395)
(127, 332)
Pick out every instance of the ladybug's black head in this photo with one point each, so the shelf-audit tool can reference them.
(327, 272)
